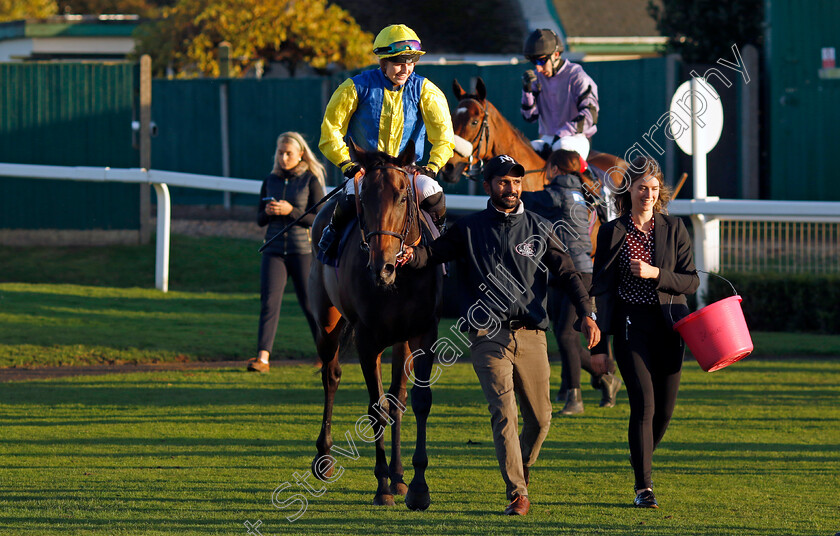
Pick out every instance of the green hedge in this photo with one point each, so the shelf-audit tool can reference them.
(784, 302)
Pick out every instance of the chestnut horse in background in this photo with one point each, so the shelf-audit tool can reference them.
(381, 305)
(481, 125)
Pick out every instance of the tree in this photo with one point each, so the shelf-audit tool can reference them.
(26, 9)
(289, 31)
(704, 30)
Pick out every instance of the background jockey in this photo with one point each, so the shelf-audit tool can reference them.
(385, 109)
(560, 94)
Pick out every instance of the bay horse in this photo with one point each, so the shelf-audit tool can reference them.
(380, 305)
(489, 133)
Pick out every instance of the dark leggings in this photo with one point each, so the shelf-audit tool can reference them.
(274, 271)
(649, 356)
(573, 355)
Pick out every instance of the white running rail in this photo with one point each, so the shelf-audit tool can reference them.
(705, 214)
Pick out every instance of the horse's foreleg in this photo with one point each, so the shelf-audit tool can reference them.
(397, 399)
(372, 371)
(417, 497)
(327, 343)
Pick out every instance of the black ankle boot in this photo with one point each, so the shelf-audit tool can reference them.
(574, 403)
(609, 385)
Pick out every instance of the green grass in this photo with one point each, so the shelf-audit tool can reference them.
(195, 265)
(752, 450)
(43, 325)
(92, 305)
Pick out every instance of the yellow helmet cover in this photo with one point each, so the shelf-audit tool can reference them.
(397, 40)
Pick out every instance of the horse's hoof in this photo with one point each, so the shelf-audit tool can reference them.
(384, 500)
(417, 501)
(323, 476)
(399, 488)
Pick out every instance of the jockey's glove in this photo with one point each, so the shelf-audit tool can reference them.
(351, 169)
(427, 171)
(530, 84)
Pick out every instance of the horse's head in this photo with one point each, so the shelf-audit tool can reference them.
(389, 209)
(471, 133)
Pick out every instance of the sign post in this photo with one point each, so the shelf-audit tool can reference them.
(697, 118)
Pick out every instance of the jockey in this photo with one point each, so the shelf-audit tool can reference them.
(560, 94)
(385, 109)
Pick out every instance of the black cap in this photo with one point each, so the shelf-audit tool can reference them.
(542, 43)
(502, 166)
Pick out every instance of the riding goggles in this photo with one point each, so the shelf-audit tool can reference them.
(539, 61)
(396, 48)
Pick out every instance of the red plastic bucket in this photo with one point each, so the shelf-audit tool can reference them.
(717, 334)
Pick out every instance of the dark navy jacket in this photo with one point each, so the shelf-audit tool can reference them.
(562, 200)
(503, 263)
(302, 189)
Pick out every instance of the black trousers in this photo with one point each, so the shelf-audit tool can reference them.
(573, 355)
(649, 355)
(274, 272)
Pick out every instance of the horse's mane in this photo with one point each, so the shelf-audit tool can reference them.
(376, 158)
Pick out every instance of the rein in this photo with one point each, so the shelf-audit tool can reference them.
(412, 212)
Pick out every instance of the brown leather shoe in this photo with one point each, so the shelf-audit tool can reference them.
(519, 506)
(255, 365)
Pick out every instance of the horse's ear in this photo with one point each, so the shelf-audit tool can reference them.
(406, 157)
(356, 152)
(480, 90)
(457, 89)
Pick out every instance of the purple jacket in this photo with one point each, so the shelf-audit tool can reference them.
(567, 103)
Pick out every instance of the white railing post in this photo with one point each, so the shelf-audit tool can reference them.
(164, 212)
(706, 251)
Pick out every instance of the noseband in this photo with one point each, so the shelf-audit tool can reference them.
(412, 211)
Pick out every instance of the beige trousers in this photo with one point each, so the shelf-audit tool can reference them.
(514, 364)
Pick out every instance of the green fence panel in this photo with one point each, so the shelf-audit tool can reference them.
(803, 107)
(260, 110)
(187, 114)
(632, 95)
(71, 115)
(189, 118)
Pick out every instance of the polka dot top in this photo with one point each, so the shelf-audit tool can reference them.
(631, 289)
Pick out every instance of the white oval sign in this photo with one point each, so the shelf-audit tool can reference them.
(708, 118)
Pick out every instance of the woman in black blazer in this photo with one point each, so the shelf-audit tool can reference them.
(643, 270)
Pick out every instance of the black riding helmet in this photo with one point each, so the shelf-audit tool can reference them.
(542, 43)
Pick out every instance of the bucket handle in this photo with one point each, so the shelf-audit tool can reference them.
(734, 292)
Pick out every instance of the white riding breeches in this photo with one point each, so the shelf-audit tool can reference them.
(578, 143)
(426, 186)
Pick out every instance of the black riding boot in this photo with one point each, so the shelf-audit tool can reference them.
(435, 205)
(344, 211)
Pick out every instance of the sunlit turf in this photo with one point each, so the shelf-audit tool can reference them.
(98, 305)
(194, 453)
(79, 325)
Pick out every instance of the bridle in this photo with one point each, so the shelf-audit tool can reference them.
(411, 213)
(474, 169)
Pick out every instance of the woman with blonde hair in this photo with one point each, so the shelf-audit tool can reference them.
(295, 184)
(643, 270)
